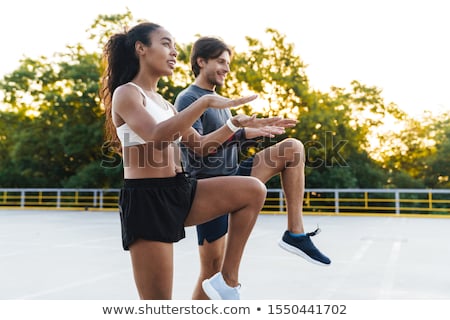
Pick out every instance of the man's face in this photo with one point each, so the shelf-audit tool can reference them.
(215, 70)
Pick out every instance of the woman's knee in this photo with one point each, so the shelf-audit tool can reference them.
(258, 189)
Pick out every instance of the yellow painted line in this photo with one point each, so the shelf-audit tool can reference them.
(353, 214)
(357, 214)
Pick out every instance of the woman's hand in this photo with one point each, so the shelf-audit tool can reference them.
(218, 102)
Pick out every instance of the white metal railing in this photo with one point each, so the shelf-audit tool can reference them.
(394, 201)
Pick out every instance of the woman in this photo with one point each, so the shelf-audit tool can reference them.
(157, 200)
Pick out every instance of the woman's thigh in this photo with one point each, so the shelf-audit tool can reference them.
(217, 196)
(153, 280)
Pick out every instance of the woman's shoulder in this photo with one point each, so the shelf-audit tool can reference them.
(126, 94)
(127, 88)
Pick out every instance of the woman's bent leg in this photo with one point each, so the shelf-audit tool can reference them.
(243, 197)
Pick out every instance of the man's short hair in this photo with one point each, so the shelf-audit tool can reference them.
(207, 48)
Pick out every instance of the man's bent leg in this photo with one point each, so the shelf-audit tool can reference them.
(288, 158)
(211, 258)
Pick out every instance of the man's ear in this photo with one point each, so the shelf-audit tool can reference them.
(201, 62)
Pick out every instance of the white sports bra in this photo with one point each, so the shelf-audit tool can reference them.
(160, 113)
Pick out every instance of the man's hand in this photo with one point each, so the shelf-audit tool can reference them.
(267, 131)
(242, 120)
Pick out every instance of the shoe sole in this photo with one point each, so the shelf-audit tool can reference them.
(300, 253)
(210, 291)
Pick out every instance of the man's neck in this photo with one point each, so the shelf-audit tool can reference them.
(199, 82)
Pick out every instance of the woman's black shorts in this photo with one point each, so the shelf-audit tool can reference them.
(155, 208)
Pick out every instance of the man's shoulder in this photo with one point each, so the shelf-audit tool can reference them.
(192, 90)
(187, 96)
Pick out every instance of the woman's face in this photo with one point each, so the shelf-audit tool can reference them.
(160, 56)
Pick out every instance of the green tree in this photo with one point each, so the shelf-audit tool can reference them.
(330, 124)
(59, 143)
(54, 132)
(13, 122)
(62, 132)
(437, 171)
(408, 150)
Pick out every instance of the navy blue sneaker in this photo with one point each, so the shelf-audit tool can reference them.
(304, 247)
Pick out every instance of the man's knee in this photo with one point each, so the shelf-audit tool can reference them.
(294, 144)
(211, 255)
(211, 265)
(293, 149)
(215, 264)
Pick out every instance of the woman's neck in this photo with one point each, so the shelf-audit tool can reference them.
(147, 83)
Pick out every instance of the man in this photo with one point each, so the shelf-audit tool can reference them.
(210, 61)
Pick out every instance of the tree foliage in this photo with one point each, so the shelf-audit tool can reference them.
(52, 120)
(418, 154)
(59, 140)
(330, 124)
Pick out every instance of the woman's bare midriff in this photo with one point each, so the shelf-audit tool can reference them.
(145, 161)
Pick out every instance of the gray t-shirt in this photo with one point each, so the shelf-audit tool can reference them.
(225, 161)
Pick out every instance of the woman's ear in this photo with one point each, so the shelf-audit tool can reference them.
(139, 47)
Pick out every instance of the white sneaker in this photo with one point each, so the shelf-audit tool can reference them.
(216, 289)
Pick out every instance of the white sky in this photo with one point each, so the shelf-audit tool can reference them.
(400, 46)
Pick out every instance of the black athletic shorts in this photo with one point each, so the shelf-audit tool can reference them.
(218, 227)
(155, 208)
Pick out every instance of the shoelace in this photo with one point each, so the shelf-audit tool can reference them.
(312, 234)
